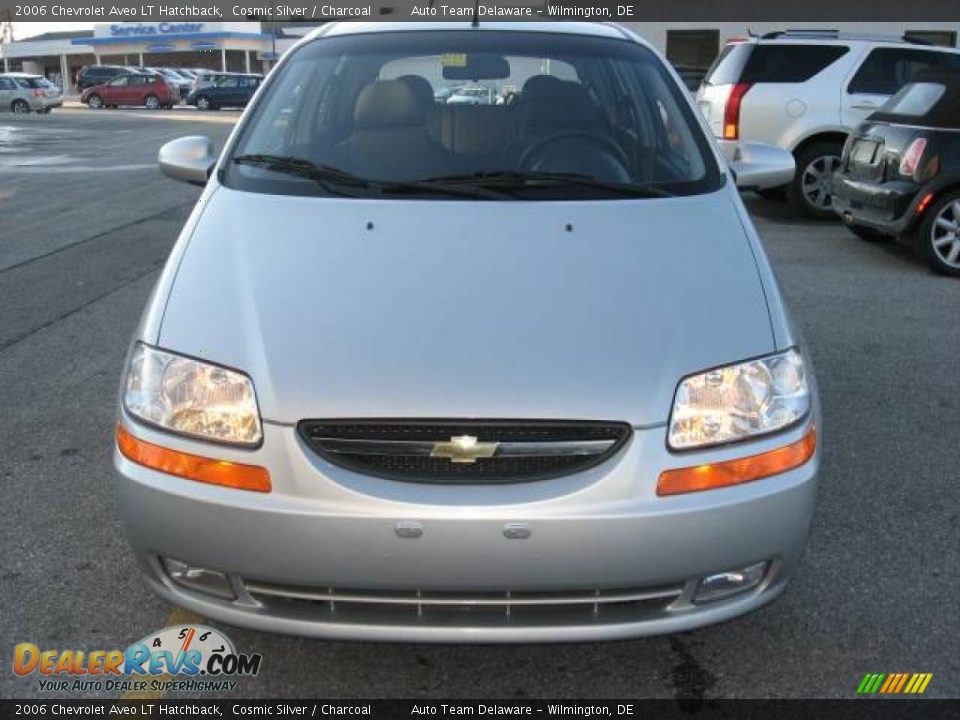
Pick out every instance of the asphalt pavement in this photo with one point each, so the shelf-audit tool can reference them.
(86, 222)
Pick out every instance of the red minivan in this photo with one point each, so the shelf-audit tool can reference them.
(151, 91)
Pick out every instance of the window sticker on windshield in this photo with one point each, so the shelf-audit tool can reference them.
(454, 60)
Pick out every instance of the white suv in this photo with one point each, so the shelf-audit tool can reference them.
(805, 91)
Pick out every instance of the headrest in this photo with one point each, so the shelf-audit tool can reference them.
(552, 103)
(538, 83)
(421, 88)
(387, 103)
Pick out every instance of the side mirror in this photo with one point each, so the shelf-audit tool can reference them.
(758, 166)
(188, 159)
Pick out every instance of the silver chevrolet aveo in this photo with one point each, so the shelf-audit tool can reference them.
(506, 372)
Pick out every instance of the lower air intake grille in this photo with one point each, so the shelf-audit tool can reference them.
(478, 609)
(451, 451)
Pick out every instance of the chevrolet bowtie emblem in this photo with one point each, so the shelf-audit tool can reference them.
(463, 449)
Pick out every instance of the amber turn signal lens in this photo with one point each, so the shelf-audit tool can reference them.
(741, 470)
(192, 467)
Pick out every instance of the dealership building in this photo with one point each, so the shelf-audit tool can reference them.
(232, 46)
(253, 47)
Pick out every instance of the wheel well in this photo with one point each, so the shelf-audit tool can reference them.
(835, 137)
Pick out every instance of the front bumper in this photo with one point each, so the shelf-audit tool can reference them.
(888, 207)
(323, 555)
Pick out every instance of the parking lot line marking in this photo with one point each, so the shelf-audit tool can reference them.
(178, 616)
(34, 169)
(183, 115)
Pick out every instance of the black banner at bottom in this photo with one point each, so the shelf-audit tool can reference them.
(862, 709)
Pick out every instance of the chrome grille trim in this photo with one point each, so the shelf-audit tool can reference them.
(413, 448)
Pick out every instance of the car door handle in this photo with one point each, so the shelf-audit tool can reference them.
(864, 105)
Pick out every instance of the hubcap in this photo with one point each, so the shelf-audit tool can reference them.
(946, 235)
(817, 181)
(203, 104)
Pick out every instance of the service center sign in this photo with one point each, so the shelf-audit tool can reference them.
(154, 29)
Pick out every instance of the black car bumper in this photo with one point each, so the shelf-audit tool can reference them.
(889, 207)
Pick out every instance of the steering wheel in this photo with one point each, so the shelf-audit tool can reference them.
(603, 141)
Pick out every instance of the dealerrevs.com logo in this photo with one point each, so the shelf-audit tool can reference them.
(184, 658)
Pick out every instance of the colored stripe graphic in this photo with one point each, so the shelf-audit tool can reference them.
(894, 683)
(918, 683)
(903, 679)
(870, 683)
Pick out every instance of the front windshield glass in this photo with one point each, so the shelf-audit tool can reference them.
(473, 114)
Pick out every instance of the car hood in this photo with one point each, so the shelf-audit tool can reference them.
(449, 309)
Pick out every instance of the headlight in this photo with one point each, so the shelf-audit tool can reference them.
(191, 397)
(739, 401)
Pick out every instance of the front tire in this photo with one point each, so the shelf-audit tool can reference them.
(152, 102)
(203, 103)
(938, 234)
(95, 102)
(811, 191)
(19, 107)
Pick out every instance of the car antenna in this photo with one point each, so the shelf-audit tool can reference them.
(476, 15)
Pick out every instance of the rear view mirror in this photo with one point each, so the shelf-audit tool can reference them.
(758, 166)
(475, 66)
(188, 159)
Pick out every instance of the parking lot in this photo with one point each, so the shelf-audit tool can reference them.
(86, 221)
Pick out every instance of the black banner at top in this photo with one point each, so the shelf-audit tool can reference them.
(787, 11)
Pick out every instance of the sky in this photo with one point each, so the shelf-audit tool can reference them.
(23, 30)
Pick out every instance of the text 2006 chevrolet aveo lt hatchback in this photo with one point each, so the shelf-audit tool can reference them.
(515, 371)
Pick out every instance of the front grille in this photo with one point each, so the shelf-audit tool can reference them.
(453, 451)
(484, 609)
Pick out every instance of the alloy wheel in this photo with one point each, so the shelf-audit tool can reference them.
(817, 181)
(203, 104)
(945, 235)
(20, 107)
(152, 103)
(95, 102)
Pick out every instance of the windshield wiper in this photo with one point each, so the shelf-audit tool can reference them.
(328, 177)
(324, 175)
(520, 179)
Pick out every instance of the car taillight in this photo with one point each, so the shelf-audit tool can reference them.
(731, 114)
(910, 162)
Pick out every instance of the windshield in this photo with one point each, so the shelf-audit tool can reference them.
(484, 114)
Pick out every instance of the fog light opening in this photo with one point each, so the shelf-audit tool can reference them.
(731, 582)
(203, 580)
